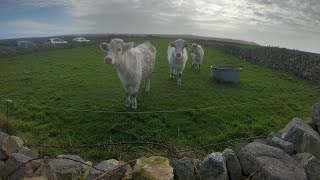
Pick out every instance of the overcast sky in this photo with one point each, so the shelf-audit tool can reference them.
(285, 23)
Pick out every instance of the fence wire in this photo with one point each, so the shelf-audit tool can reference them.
(249, 103)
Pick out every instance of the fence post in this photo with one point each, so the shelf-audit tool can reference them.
(8, 101)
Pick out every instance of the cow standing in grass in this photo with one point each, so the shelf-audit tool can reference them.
(197, 54)
(177, 58)
(132, 65)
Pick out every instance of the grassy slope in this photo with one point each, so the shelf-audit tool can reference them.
(77, 78)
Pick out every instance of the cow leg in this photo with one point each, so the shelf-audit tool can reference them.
(134, 101)
(199, 67)
(128, 100)
(147, 84)
(171, 73)
(179, 80)
(134, 94)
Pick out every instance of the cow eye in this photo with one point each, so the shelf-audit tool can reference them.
(118, 49)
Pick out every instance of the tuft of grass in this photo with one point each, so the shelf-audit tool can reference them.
(47, 88)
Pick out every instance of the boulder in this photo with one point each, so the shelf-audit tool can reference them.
(233, 164)
(261, 161)
(316, 115)
(3, 136)
(2, 165)
(11, 144)
(272, 135)
(108, 166)
(312, 124)
(61, 168)
(35, 178)
(261, 140)
(213, 167)
(29, 152)
(15, 161)
(183, 169)
(303, 137)
(310, 163)
(153, 168)
(281, 144)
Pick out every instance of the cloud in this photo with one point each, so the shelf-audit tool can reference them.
(242, 19)
(32, 27)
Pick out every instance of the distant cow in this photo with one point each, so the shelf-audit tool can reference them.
(132, 65)
(197, 54)
(177, 58)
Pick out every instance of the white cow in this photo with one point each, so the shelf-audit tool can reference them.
(132, 65)
(177, 58)
(197, 54)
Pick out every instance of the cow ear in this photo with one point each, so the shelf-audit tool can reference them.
(104, 46)
(172, 44)
(127, 46)
(186, 45)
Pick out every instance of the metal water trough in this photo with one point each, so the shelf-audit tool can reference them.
(225, 74)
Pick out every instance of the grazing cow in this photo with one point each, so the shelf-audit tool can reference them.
(197, 54)
(177, 58)
(132, 65)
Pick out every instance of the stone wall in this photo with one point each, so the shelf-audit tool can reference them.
(302, 64)
(292, 153)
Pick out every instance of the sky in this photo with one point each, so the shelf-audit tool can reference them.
(293, 24)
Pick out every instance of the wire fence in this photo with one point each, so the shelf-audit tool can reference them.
(248, 103)
(169, 150)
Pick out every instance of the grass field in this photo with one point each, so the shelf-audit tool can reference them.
(42, 84)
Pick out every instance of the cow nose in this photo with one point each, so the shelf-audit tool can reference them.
(108, 60)
(178, 55)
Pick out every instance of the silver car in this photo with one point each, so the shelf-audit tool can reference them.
(56, 41)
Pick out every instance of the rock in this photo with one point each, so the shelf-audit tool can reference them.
(213, 167)
(86, 171)
(183, 169)
(261, 161)
(233, 165)
(3, 156)
(11, 144)
(2, 165)
(282, 144)
(272, 135)
(152, 168)
(303, 137)
(3, 136)
(310, 163)
(35, 178)
(16, 160)
(29, 152)
(316, 115)
(61, 168)
(261, 140)
(312, 124)
(108, 166)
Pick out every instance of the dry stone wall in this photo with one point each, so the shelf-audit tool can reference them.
(292, 153)
(302, 64)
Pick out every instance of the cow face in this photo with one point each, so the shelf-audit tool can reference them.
(179, 46)
(115, 50)
(193, 47)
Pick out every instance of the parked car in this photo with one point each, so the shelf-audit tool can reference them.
(80, 39)
(25, 44)
(56, 41)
